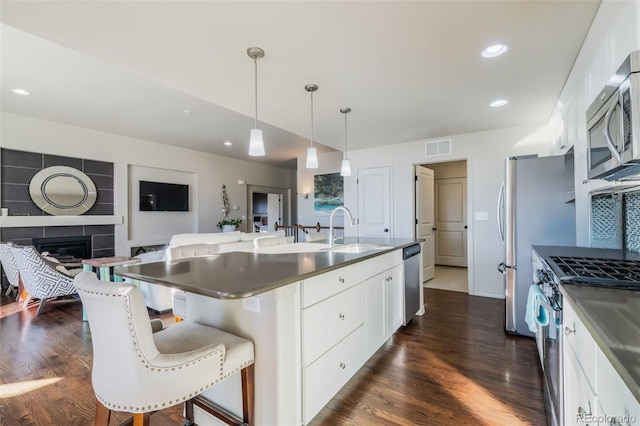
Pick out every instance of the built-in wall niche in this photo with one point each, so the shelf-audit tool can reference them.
(148, 227)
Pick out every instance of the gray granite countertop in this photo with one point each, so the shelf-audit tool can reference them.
(236, 275)
(612, 316)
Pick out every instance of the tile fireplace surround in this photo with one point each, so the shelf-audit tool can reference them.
(17, 169)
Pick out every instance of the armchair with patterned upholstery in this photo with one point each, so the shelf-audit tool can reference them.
(10, 267)
(41, 278)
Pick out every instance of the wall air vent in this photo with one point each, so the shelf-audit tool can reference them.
(433, 149)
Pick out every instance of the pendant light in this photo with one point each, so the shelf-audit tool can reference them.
(345, 170)
(256, 145)
(312, 153)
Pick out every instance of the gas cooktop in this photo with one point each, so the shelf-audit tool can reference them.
(621, 273)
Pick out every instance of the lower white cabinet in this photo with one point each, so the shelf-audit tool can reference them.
(375, 319)
(328, 322)
(325, 376)
(617, 405)
(343, 323)
(579, 398)
(384, 304)
(395, 299)
(594, 392)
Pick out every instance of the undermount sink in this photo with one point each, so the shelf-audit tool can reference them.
(357, 248)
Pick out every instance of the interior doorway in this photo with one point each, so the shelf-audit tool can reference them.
(450, 225)
(268, 206)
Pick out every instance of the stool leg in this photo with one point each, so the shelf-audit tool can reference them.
(141, 419)
(103, 414)
(188, 413)
(247, 375)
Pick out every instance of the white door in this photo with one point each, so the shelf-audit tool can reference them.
(274, 210)
(374, 209)
(425, 219)
(451, 222)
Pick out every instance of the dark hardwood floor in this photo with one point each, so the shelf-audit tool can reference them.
(453, 366)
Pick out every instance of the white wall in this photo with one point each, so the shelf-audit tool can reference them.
(327, 163)
(614, 33)
(211, 171)
(485, 153)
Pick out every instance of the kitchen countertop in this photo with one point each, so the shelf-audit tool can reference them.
(612, 316)
(236, 275)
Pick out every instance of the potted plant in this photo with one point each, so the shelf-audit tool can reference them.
(228, 225)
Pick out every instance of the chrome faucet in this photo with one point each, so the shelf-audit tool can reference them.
(352, 222)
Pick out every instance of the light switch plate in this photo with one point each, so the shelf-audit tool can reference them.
(481, 216)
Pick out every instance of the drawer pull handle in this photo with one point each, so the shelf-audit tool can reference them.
(568, 331)
(342, 365)
(341, 316)
(341, 280)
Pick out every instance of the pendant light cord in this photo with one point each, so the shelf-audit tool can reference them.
(345, 136)
(311, 118)
(255, 61)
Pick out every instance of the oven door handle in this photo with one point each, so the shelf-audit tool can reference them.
(607, 134)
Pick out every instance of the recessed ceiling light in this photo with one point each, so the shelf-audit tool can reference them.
(495, 50)
(227, 143)
(498, 103)
(186, 111)
(20, 92)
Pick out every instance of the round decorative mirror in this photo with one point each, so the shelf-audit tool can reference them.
(61, 190)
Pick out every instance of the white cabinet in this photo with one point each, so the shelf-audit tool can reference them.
(617, 404)
(384, 304)
(346, 315)
(594, 393)
(324, 377)
(579, 398)
(375, 319)
(328, 322)
(395, 299)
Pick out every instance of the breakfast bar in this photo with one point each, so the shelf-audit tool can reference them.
(315, 313)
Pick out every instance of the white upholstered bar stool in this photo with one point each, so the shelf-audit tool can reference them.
(140, 371)
(179, 297)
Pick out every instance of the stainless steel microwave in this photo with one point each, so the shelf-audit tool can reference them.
(613, 125)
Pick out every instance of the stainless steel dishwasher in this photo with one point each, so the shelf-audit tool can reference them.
(412, 284)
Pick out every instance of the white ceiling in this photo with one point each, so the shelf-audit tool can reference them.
(408, 70)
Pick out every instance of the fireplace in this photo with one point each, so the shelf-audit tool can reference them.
(65, 247)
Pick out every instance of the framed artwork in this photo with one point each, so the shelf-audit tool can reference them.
(328, 193)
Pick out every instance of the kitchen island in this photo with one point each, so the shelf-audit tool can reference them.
(315, 317)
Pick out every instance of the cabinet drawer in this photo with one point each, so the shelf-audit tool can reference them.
(326, 323)
(579, 339)
(579, 399)
(324, 378)
(325, 285)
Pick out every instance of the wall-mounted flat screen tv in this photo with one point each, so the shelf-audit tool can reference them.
(163, 197)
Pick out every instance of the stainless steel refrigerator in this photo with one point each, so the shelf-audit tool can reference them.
(532, 209)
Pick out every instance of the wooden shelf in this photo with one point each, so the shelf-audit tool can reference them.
(27, 221)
